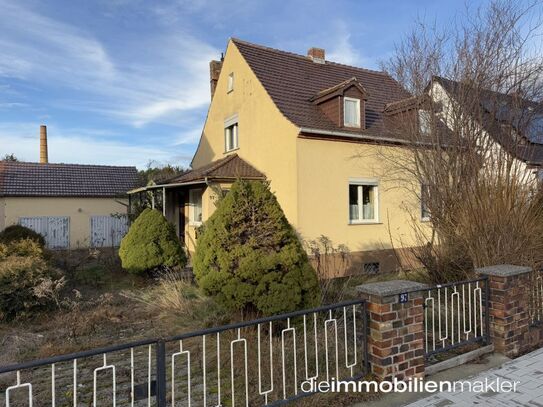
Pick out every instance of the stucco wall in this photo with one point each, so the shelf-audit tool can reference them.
(267, 139)
(78, 209)
(209, 200)
(324, 170)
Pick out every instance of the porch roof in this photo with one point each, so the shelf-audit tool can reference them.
(228, 168)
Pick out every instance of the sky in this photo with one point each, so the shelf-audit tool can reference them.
(125, 82)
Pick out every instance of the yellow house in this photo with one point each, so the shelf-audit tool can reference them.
(71, 205)
(312, 128)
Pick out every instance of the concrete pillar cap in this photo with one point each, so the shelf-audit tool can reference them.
(503, 270)
(388, 288)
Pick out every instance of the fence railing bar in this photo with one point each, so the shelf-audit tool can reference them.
(366, 319)
(71, 356)
(456, 345)
(446, 285)
(161, 373)
(487, 313)
(260, 321)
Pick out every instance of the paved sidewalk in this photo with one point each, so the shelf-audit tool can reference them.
(528, 370)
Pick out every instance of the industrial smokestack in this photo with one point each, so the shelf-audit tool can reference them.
(43, 145)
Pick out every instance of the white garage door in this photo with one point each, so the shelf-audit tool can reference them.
(55, 229)
(107, 231)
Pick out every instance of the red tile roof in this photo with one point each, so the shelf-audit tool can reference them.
(292, 81)
(65, 180)
(531, 149)
(229, 167)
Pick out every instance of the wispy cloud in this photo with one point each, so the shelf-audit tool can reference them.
(168, 75)
(35, 46)
(343, 50)
(79, 145)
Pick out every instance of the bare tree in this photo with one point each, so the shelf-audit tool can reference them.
(472, 131)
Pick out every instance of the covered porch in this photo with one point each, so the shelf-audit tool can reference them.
(188, 200)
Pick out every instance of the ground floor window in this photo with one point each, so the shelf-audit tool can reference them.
(371, 268)
(363, 202)
(195, 207)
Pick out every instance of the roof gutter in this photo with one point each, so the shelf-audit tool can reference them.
(351, 135)
(179, 184)
(361, 136)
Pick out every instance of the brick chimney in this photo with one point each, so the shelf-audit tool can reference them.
(43, 145)
(316, 54)
(214, 72)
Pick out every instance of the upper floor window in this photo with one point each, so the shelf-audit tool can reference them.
(363, 202)
(351, 112)
(231, 135)
(424, 122)
(230, 85)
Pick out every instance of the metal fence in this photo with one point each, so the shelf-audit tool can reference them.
(259, 362)
(455, 315)
(536, 297)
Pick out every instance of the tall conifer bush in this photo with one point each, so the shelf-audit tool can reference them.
(151, 243)
(249, 257)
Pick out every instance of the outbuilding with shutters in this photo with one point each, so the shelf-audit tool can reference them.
(72, 205)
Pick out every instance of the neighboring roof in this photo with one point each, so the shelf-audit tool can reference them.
(65, 180)
(531, 149)
(229, 167)
(292, 81)
(413, 102)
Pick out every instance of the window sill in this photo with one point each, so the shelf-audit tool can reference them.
(369, 222)
(195, 224)
(425, 220)
(351, 126)
(229, 91)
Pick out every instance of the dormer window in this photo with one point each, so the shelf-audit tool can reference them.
(230, 84)
(351, 112)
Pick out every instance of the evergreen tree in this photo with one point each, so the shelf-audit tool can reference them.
(249, 257)
(151, 243)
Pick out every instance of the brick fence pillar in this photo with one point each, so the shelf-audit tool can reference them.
(509, 302)
(396, 342)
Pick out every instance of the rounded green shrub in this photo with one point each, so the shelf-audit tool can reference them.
(249, 257)
(17, 232)
(151, 243)
(27, 282)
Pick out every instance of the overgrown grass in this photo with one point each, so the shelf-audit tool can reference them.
(174, 295)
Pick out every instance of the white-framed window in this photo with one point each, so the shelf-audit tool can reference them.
(424, 122)
(195, 207)
(231, 134)
(230, 84)
(351, 112)
(424, 196)
(363, 201)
